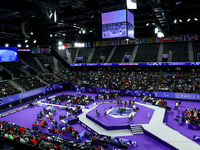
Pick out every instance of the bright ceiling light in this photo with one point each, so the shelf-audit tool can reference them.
(59, 47)
(83, 31)
(51, 14)
(31, 33)
(156, 30)
(175, 21)
(27, 46)
(34, 41)
(63, 47)
(51, 35)
(90, 30)
(188, 20)
(55, 16)
(195, 19)
(60, 43)
(63, 34)
(180, 20)
(79, 32)
(6, 45)
(147, 24)
(55, 34)
(160, 35)
(19, 45)
(83, 45)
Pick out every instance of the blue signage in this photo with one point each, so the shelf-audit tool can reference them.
(140, 93)
(47, 89)
(139, 64)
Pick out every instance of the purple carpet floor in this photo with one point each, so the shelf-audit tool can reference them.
(144, 142)
(170, 116)
(27, 117)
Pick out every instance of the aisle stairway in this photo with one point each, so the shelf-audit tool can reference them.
(136, 129)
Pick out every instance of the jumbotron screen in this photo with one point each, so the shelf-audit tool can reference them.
(117, 24)
(8, 54)
(40, 50)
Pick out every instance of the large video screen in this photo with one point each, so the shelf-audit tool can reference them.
(114, 24)
(117, 24)
(8, 54)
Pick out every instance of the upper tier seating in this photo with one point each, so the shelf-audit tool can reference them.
(196, 49)
(179, 51)
(46, 59)
(147, 53)
(14, 67)
(29, 83)
(120, 52)
(101, 51)
(73, 53)
(85, 53)
(29, 59)
(6, 89)
(49, 78)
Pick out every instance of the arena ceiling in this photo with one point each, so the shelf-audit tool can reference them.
(18, 18)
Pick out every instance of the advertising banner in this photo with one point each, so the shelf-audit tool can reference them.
(140, 93)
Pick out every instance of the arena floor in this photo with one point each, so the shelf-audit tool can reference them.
(27, 117)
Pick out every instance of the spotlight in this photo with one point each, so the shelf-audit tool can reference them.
(188, 20)
(63, 34)
(6, 45)
(26, 41)
(55, 16)
(27, 46)
(31, 33)
(90, 31)
(160, 34)
(55, 34)
(147, 24)
(34, 41)
(175, 21)
(51, 35)
(79, 44)
(19, 45)
(60, 43)
(83, 45)
(83, 31)
(79, 32)
(63, 47)
(59, 47)
(180, 20)
(156, 30)
(195, 19)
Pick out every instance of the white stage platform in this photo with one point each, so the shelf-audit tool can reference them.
(165, 133)
(155, 127)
